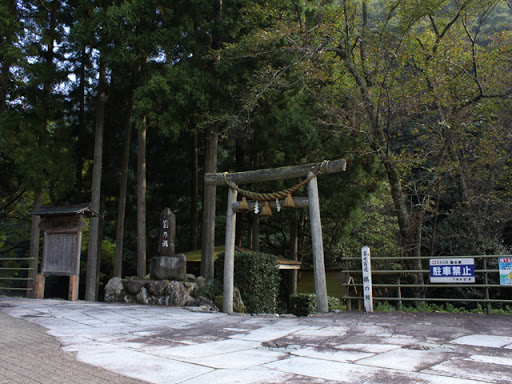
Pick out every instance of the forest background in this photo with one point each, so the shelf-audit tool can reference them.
(127, 104)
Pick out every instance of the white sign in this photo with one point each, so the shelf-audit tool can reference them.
(367, 279)
(505, 270)
(458, 270)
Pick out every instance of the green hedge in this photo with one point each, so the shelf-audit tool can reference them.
(257, 278)
(303, 304)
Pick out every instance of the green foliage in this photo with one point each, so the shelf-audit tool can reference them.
(257, 278)
(304, 304)
(210, 290)
(383, 306)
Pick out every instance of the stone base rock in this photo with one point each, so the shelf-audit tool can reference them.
(204, 303)
(158, 292)
(114, 290)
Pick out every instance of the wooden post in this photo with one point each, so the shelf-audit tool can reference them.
(318, 247)
(294, 252)
(486, 282)
(367, 279)
(229, 253)
(39, 287)
(73, 288)
(399, 293)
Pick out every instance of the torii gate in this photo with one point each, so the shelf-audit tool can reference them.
(312, 202)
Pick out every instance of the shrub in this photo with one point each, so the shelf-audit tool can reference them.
(384, 306)
(257, 278)
(304, 304)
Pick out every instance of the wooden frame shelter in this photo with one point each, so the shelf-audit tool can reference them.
(62, 227)
(312, 202)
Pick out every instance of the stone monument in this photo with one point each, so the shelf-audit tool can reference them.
(168, 266)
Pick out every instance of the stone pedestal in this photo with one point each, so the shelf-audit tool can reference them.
(168, 267)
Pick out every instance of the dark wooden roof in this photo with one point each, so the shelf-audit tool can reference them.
(66, 210)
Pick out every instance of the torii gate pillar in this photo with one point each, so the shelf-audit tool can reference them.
(318, 246)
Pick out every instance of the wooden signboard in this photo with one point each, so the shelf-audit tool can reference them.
(61, 254)
(62, 242)
(62, 226)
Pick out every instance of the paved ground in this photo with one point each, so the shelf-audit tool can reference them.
(175, 345)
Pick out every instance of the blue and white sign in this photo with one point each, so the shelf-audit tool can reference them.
(505, 270)
(459, 270)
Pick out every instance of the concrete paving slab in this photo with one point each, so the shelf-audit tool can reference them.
(372, 330)
(484, 340)
(246, 376)
(470, 369)
(208, 349)
(405, 359)
(506, 361)
(143, 366)
(369, 348)
(235, 360)
(322, 331)
(329, 354)
(267, 333)
(351, 373)
(399, 339)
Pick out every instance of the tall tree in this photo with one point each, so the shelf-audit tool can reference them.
(123, 184)
(141, 199)
(94, 240)
(210, 163)
(10, 53)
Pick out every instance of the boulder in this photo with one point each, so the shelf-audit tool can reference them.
(203, 302)
(176, 294)
(129, 299)
(142, 296)
(238, 303)
(114, 290)
(157, 287)
(191, 277)
(190, 287)
(201, 282)
(133, 286)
